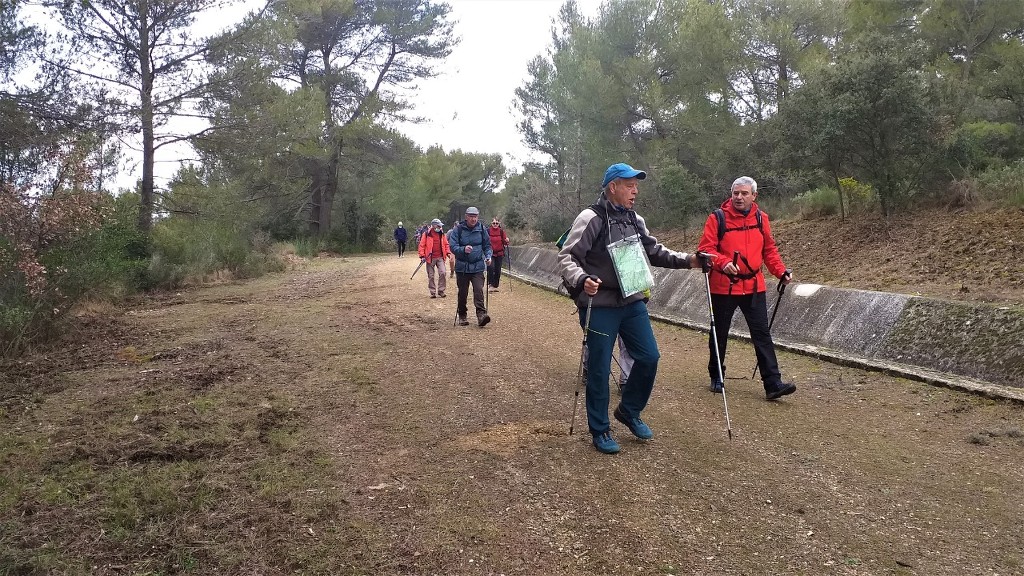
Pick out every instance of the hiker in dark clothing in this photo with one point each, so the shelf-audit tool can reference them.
(401, 237)
(472, 249)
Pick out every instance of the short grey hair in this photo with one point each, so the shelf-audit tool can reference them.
(744, 181)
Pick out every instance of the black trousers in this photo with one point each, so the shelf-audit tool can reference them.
(401, 247)
(755, 311)
(463, 281)
(494, 270)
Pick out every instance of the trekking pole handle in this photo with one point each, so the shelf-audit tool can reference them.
(787, 274)
(735, 264)
(706, 260)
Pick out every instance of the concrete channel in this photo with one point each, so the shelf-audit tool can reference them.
(968, 346)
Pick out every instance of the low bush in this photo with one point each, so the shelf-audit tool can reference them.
(56, 249)
(1002, 185)
(816, 203)
(860, 198)
(189, 250)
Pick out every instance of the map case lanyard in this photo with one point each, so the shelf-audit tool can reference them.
(631, 265)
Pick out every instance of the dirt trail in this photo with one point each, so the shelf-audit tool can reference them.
(449, 453)
(856, 473)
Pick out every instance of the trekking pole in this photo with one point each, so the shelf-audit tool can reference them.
(618, 381)
(417, 269)
(579, 373)
(706, 266)
(782, 290)
(508, 257)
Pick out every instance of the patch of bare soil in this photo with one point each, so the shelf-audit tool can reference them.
(334, 421)
(970, 256)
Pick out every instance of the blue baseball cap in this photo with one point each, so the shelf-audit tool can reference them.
(622, 170)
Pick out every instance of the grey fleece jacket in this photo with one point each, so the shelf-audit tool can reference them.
(585, 252)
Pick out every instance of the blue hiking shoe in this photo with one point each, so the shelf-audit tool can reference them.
(605, 444)
(635, 425)
(717, 386)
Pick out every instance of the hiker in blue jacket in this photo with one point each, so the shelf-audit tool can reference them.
(619, 307)
(472, 249)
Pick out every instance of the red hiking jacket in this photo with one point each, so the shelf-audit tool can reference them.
(498, 240)
(427, 245)
(756, 247)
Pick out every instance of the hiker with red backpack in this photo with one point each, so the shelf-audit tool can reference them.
(739, 235)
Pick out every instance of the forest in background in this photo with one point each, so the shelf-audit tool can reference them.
(841, 108)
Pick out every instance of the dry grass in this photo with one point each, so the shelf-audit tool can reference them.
(331, 421)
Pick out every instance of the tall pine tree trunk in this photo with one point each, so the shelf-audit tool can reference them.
(145, 222)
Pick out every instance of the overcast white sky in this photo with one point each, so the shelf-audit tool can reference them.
(469, 105)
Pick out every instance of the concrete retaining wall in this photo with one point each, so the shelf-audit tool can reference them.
(972, 346)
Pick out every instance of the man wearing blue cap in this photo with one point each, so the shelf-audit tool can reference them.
(595, 265)
(472, 249)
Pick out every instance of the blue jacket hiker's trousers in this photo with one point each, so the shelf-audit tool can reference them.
(632, 323)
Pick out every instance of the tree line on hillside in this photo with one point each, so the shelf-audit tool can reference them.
(835, 106)
(290, 115)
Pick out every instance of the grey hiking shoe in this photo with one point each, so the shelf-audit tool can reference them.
(463, 322)
(484, 320)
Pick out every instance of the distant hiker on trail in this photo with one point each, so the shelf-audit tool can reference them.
(435, 252)
(401, 236)
(602, 261)
(420, 231)
(472, 250)
(451, 260)
(740, 237)
(499, 240)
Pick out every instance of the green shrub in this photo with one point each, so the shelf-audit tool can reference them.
(859, 197)
(816, 203)
(106, 264)
(1002, 185)
(308, 246)
(189, 249)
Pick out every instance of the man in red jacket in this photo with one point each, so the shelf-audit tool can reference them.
(435, 252)
(741, 247)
